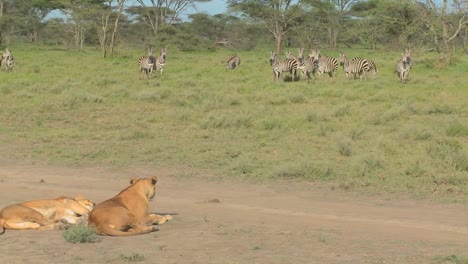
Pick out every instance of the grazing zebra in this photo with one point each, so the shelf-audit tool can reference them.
(403, 66)
(358, 66)
(7, 60)
(279, 66)
(160, 61)
(325, 64)
(372, 66)
(306, 65)
(146, 63)
(233, 62)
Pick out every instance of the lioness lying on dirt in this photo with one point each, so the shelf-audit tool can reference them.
(45, 214)
(126, 214)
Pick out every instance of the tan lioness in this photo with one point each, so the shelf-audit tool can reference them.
(45, 214)
(126, 214)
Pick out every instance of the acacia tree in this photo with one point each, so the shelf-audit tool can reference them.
(159, 13)
(450, 30)
(331, 15)
(278, 16)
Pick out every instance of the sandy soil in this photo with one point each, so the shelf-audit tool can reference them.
(219, 221)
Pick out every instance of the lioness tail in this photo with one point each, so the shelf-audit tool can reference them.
(2, 228)
(104, 230)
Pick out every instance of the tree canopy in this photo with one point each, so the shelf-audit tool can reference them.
(433, 25)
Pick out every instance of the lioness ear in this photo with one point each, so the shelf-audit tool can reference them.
(132, 181)
(154, 180)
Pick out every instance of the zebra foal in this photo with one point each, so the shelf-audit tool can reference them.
(403, 66)
(353, 67)
(288, 65)
(7, 60)
(233, 62)
(146, 63)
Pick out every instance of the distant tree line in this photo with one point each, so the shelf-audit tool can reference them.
(438, 25)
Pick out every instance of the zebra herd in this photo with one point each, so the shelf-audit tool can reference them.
(149, 63)
(7, 60)
(317, 62)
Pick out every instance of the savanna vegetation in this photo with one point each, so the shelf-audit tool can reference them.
(64, 103)
(69, 107)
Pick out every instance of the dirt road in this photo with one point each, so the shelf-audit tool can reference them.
(219, 221)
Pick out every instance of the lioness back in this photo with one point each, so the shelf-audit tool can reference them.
(126, 213)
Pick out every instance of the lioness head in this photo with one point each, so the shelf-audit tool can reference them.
(149, 185)
(85, 202)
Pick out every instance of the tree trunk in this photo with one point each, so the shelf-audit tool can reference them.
(445, 34)
(116, 26)
(279, 43)
(332, 37)
(1, 8)
(463, 40)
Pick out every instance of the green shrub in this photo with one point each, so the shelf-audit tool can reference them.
(135, 257)
(81, 234)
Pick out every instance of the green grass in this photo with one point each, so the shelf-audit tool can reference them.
(452, 259)
(377, 136)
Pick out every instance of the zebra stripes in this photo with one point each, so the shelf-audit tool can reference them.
(325, 64)
(372, 65)
(358, 66)
(7, 60)
(306, 65)
(146, 63)
(160, 61)
(233, 62)
(288, 65)
(403, 66)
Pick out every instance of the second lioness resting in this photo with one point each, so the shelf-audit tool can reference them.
(45, 214)
(126, 214)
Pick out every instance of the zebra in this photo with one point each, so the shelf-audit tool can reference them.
(358, 66)
(7, 60)
(233, 62)
(325, 64)
(160, 61)
(289, 56)
(279, 66)
(306, 65)
(146, 63)
(372, 65)
(403, 66)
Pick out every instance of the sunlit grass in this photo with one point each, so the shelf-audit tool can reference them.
(378, 135)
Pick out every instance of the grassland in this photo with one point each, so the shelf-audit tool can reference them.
(378, 136)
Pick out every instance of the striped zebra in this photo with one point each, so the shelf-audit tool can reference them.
(325, 64)
(372, 65)
(7, 60)
(279, 66)
(289, 56)
(233, 62)
(146, 63)
(306, 65)
(403, 66)
(358, 66)
(160, 61)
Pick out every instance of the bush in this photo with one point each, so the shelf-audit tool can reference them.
(81, 234)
